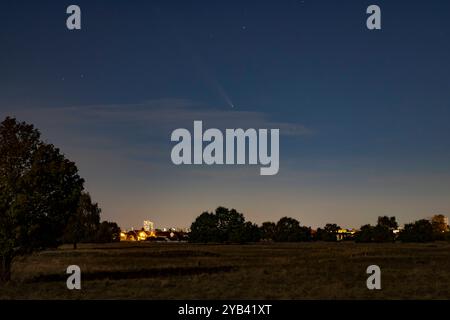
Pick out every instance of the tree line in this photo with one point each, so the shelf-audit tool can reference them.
(43, 204)
(42, 199)
(230, 226)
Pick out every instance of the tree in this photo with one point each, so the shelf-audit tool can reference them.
(249, 232)
(108, 232)
(289, 230)
(205, 229)
(419, 231)
(365, 234)
(328, 233)
(382, 232)
(84, 225)
(224, 226)
(378, 233)
(267, 230)
(388, 222)
(305, 233)
(230, 224)
(39, 193)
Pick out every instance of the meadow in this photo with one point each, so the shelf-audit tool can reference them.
(254, 271)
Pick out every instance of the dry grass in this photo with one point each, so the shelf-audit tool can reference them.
(259, 271)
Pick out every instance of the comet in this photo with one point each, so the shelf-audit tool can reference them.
(221, 91)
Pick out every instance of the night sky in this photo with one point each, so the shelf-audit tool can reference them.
(363, 115)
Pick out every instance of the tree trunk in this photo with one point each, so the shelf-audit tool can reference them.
(5, 268)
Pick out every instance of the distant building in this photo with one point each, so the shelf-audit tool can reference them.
(149, 233)
(444, 220)
(131, 236)
(345, 234)
(149, 226)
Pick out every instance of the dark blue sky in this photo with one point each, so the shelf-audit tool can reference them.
(365, 113)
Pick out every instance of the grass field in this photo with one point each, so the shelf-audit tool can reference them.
(258, 271)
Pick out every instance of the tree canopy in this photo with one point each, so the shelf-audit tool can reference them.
(224, 226)
(39, 192)
(328, 233)
(289, 230)
(382, 232)
(84, 225)
(419, 231)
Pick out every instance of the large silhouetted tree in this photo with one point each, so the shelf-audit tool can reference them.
(388, 222)
(289, 230)
(365, 234)
(250, 232)
(205, 229)
(108, 232)
(382, 232)
(328, 233)
(419, 231)
(224, 226)
(84, 225)
(39, 193)
(267, 230)
(230, 224)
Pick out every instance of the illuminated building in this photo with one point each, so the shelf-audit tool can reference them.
(344, 234)
(142, 235)
(148, 226)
